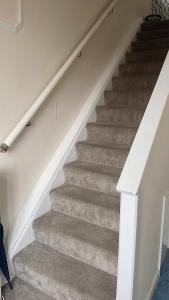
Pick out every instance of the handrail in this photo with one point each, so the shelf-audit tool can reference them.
(136, 163)
(46, 92)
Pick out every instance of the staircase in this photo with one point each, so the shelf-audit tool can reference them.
(75, 253)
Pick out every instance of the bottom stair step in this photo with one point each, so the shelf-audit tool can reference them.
(23, 291)
(61, 276)
(86, 242)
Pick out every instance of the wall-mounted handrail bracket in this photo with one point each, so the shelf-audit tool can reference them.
(80, 54)
(111, 12)
(4, 148)
(28, 124)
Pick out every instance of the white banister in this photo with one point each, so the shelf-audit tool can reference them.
(143, 184)
(46, 92)
(133, 170)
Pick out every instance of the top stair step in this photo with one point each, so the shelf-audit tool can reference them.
(147, 55)
(153, 34)
(155, 25)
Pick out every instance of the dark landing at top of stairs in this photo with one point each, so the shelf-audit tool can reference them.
(75, 252)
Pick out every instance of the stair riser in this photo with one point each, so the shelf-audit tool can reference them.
(119, 116)
(101, 216)
(140, 69)
(155, 25)
(78, 249)
(41, 282)
(104, 156)
(146, 35)
(124, 136)
(153, 44)
(146, 56)
(128, 84)
(90, 180)
(124, 99)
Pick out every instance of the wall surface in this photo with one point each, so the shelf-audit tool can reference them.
(154, 187)
(28, 60)
(9, 10)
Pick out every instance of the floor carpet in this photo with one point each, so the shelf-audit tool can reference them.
(162, 290)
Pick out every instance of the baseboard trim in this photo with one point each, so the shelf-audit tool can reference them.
(21, 234)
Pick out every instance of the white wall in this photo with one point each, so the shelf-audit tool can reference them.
(28, 61)
(154, 186)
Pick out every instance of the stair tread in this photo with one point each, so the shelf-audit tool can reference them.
(106, 124)
(121, 107)
(95, 168)
(98, 198)
(133, 93)
(150, 51)
(147, 55)
(120, 147)
(162, 42)
(61, 276)
(134, 82)
(22, 290)
(95, 207)
(144, 34)
(155, 25)
(79, 239)
(140, 68)
(140, 64)
(135, 77)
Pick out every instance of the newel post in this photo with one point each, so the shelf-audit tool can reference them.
(127, 246)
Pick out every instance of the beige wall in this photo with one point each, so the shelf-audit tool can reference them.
(154, 187)
(28, 61)
(9, 10)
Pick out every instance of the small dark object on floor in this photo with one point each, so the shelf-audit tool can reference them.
(162, 290)
(3, 260)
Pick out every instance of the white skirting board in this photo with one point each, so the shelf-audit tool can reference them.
(38, 203)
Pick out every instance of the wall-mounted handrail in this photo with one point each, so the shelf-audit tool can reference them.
(46, 92)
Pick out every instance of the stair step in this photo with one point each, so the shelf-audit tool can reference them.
(101, 154)
(147, 55)
(140, 68)
(61, 276)
(134, 83)
(79, 239)
(106, 133)
(155, 25)
(153, 34)
(151, 44)
(135, 99)
(91, 206)
(119, 115)
(22, 290)
(91, 176)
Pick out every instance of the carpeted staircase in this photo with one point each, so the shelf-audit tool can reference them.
(75, 253)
